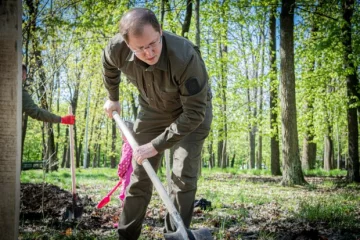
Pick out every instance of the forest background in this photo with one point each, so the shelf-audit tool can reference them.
(285, 92)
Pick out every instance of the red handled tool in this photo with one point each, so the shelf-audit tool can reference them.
(106, 199)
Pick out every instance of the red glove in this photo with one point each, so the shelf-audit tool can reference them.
(68, 119)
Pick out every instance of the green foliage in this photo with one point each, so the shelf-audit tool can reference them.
(234, 44)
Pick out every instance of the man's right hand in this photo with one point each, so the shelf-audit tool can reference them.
(111, 106)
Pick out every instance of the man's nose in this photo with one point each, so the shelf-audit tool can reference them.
(148, 51)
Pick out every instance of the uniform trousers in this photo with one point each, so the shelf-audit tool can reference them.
(186, 162)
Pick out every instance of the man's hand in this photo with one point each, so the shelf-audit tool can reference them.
(68, 119)
(143, 152)
(111, 106)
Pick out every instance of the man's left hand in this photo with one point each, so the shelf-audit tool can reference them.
(143, 152)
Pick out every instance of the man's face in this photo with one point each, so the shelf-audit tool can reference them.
(148, 46)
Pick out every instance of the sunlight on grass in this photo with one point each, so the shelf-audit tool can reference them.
(331, 210)
(322, 172)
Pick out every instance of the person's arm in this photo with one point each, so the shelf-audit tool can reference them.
(193, 86)
(31, 109)
(112, 57)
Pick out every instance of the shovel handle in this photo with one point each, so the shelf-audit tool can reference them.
(114, 188)
(154, 178)
(72, 155)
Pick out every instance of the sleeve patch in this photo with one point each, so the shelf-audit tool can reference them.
(192, 85)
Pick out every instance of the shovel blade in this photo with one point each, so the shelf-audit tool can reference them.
(199, 234)
(73, 213)
(103, 202)
(75, 210)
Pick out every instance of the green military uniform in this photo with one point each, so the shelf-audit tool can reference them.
(31, 109)
(175, 111)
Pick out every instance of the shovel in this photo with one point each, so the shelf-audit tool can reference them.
(181, 232)
(106, 199)
(75, 211)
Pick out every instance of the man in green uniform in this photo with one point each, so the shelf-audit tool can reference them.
(175, 110)
(31, 109)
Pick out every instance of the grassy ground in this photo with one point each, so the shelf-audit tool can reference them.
(245, 205)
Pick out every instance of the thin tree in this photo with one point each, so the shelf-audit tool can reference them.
(308, 157)
(187, 21)
(274, 140)
(352, 87)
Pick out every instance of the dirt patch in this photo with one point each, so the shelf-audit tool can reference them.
(43, 208)
(48, 204)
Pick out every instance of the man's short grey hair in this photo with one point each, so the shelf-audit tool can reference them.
(133, 22)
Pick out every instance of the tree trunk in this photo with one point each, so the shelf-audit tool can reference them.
(187, 21)
(224, 84)
(232, 163)
(274, 140)
(223, 155)
(309, 153)
(10, 117)
(162, 13)
(352, 87)
(197, 22)
(262, 40)
(49, 142)
(309, 147)
(49, 153)
(211, 152)
(86, 129)
(57, 109)
(133, 106)
(252, 148)
(328, 153)
(23, 135)
(220, 149)
(292, 172)
(338, 162)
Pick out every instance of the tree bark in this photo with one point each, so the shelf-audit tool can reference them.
(274, 140)
(224, 85)
(197, 22)
(10, 117)
(309, 147)
(352, 86)
(187, 21)
(292, 172)
(328, 153)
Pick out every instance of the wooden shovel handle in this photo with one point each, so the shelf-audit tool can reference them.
(72, 155)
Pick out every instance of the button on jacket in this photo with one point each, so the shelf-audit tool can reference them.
(177, 83)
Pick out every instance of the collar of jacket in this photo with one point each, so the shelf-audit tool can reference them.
(161, 64)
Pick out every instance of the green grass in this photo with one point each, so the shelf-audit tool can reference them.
(322, 173)
(240, 199)
(336, 211)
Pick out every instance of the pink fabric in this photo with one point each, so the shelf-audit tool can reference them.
(125, 168)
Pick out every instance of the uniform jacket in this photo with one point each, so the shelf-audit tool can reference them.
(177, 83)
